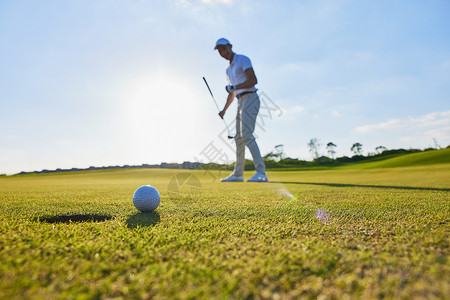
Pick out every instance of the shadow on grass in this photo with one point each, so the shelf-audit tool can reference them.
(75, 218)
(366, 186)
(143, 219)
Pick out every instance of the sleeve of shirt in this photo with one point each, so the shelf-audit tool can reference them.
(246, 63)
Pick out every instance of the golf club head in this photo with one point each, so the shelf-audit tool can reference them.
(230, 137)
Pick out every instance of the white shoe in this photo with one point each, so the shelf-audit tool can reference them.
(258, 178)
(233, 178)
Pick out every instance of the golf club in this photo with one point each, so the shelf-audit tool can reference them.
(228, 130)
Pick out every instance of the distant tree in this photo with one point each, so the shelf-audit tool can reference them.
(314, 146)
(330, 149)
(270, 155)
(357, 148)
(279, 151)
(380, 149)
(436, 144)
(277, 154)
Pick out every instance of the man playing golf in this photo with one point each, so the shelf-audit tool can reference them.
(242, 81)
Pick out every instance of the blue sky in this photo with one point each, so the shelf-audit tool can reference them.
(97, 83)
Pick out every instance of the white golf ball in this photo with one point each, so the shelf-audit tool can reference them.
(146, 198)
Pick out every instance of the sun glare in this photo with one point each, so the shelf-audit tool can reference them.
(156, 110)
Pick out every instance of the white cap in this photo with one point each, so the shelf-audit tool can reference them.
(222, 41)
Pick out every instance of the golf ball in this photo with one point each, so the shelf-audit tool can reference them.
(146, 198)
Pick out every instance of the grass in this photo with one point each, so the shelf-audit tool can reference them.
(407, 160)
(361, 233)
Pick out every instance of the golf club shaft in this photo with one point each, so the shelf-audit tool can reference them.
(215, 102)
(207, 85)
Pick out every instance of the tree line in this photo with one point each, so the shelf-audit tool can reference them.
(277, 158)
(357, 149)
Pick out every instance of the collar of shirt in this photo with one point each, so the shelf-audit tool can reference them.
(234, 59)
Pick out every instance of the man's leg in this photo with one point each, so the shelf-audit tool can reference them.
(258, 161)
(249, 113)
(240, 156)
(240, 145)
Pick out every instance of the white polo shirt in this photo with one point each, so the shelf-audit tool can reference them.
(236, 72)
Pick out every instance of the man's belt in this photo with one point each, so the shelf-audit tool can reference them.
(245, 93)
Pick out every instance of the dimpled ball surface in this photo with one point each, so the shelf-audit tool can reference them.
(146, 198)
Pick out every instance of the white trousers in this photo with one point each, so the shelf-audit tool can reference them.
(248, 108)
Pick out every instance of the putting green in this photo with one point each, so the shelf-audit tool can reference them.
(368, 233)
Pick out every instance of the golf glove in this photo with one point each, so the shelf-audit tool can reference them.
(230, 88)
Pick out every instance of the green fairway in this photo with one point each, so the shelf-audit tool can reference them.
(361, 233)
(415, 159)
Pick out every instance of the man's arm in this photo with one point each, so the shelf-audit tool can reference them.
(230, 99)
(250, 82)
